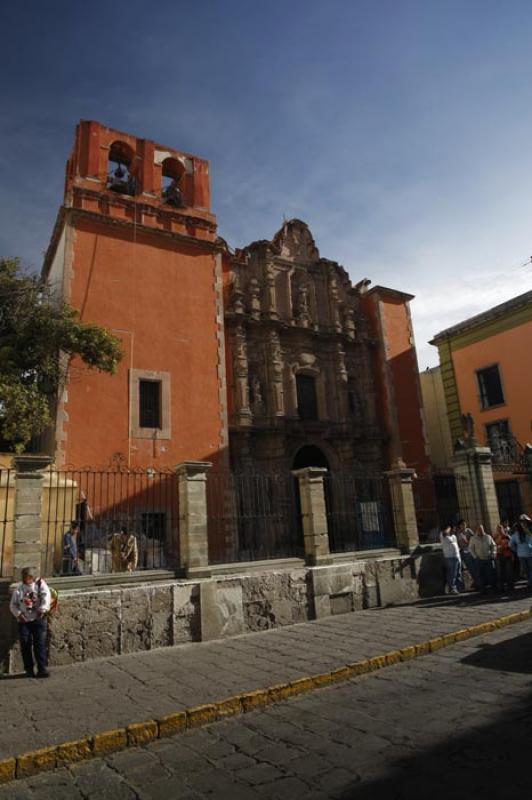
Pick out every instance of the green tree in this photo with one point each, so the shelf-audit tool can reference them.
(39, 335)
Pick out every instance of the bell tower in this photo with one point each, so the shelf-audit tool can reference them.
(135, 249)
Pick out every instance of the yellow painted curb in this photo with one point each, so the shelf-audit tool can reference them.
(36, 761)
(323, 679)
(139, 733)
(228, 707)
(142, 732)
(7, 769)
(173, 723)
(280, 691)
(342, 673)
(109, 741)
(200, 715)
(257, 699)
(69, 752)
(302, 685)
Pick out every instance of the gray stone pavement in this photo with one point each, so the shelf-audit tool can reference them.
(456, 723)
(83, 699)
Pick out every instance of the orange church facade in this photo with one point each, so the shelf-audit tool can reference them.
(217, 345)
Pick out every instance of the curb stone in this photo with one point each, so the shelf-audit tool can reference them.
(139, 733)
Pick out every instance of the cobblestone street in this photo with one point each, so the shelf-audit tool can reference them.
(455, 723)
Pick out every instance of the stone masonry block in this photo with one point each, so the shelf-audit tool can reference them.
(222, 612)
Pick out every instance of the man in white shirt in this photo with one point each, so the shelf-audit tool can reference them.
(483, 549)
(451, 556)
(29, 604)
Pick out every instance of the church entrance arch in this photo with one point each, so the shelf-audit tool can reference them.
(310, 456)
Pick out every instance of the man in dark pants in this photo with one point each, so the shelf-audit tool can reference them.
(29, 604)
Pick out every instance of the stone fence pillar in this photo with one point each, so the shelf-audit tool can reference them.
(27, 550)
(193, 538)
(313, 514)
(477, 497)
(404, 510)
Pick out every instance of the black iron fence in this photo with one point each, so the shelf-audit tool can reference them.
(7, 505)
(359, 512)
(253, 517)
(143, 504)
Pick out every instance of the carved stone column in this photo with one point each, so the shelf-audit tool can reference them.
(271, 298)
(341, 373)
(276, 360)
(335, 309)
(254, 299)
(349, 324)
(241, 368)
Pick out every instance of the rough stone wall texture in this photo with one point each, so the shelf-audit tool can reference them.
(275, 598)
(96, 623)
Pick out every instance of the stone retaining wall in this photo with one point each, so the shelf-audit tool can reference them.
(102, 622)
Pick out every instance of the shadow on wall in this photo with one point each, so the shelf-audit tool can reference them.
(431, 571)
(8, 628)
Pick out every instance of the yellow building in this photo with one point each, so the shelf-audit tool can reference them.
(486, 378)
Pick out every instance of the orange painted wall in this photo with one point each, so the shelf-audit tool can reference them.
(405, 374)
(511, 350)
(397, 378)
(161, 302)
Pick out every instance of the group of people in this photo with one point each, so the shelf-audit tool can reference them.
(492, 561)
(124, 551)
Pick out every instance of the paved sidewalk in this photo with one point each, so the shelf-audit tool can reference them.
(84, 699)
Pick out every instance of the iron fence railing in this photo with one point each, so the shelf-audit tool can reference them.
(253, 517)
(439, 500)
(359, 512)
(102, 502)
(7, 515)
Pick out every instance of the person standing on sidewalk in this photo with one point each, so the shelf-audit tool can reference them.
(483, 549)
(451, 556)
(30, 601)
(505, 557)
(71, 550)
(521, 544)
(464, 536)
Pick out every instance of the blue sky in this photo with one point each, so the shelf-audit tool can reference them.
(400, 130)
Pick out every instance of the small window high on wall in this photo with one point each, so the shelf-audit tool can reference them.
(120, 178)
(171, 188)
(490, 386)
(307, 400)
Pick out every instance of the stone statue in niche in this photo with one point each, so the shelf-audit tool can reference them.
(241, 369)
(254, 298)
(256, 398)
(468, 427)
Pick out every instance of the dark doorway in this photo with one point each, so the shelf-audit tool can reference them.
(509, 500)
